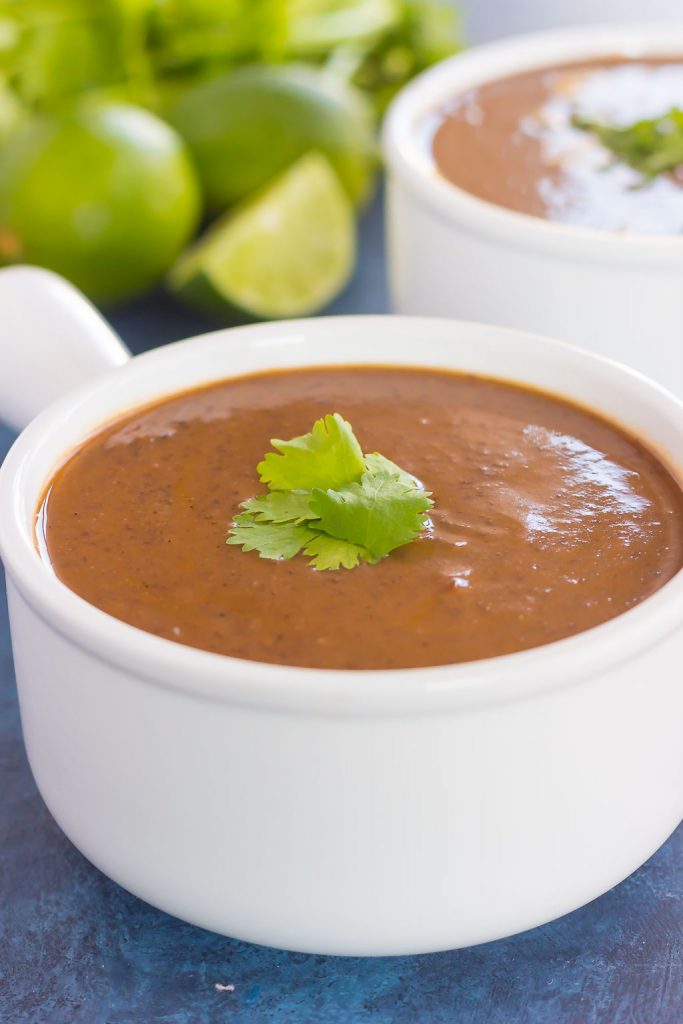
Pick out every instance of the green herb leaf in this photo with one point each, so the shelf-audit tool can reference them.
(652, 147)
(424, 32)
(331, 553)
(372, 506)
(271, 540)
(380, 513)
(329, 456)
(376, 463)
(280, 506)
(283, 540)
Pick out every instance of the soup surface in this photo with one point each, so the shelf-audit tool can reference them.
(547, 521)
(512, 143)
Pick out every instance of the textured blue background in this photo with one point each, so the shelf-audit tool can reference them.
(76, 949)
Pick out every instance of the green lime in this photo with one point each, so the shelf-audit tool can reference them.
(105, 194)
(286, 252)
(246, 126)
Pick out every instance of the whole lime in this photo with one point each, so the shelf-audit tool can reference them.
(248, 125)
(105, 194)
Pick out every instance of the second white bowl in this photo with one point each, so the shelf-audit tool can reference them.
(452, 254)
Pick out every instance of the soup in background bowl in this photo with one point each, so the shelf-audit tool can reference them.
(525, 142)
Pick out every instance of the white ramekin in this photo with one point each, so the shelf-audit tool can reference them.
(452, 254)
(334, 811)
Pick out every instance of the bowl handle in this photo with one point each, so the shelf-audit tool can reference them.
(51, 339)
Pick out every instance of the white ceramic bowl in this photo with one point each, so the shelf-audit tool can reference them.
(452, 254)
(335, 811)
(494, 19)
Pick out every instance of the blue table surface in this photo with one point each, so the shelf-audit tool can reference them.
(77, 949)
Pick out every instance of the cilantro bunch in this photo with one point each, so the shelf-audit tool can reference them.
(53, 49)
(331, 502)
(652, 146)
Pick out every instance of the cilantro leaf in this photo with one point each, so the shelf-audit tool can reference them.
(284, 540)
(380, 513)
(331, 553)
(652, 146)
(280, 506)
(271, 540)
(376, 463)
(373, 506)
(329, 456)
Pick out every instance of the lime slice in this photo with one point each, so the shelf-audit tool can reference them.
(286, 252)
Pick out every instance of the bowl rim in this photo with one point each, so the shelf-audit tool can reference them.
(409, 160)
(386, 692)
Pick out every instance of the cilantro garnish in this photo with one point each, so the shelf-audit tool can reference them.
(331, 502)
(652, 147)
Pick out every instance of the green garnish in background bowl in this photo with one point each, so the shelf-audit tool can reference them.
(651, 146)
(330, 501)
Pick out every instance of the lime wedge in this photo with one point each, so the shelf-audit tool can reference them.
(285, 252)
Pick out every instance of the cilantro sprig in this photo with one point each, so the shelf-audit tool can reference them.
(331, 502)
(652, 146)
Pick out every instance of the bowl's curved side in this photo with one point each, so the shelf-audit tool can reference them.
(353, 835)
